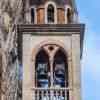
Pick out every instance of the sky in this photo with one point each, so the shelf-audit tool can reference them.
(90, 64)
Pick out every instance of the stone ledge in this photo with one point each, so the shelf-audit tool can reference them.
(76, 28)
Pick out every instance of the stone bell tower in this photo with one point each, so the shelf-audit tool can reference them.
(50, 48)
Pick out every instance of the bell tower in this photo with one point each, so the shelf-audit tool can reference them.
(39, 11)
(50, 44)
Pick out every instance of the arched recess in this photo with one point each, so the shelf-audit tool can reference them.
(51, 7)
(60, 67)
(68, 14)
(50, 13)
(41, 46)
(33, 14)
(42, 69)
(51, 71)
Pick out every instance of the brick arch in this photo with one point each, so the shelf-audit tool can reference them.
(42, 44)
(47, 42)
(38, 47)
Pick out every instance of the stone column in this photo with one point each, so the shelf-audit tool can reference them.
(0, 71)
(70, 72)
(27, 12)
(27, 81)
(76, 66)
(33, 77)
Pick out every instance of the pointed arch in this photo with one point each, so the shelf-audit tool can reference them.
(51, 72)
(42, 68)
(60, 66)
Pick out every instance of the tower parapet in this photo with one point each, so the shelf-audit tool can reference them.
(40, 12)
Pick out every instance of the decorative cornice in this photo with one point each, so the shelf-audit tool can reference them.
(52, 29)
(73, 28)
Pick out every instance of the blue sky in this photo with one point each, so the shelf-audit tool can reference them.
(89, 14)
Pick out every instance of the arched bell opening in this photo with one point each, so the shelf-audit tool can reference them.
(60, 67)
(51, 77)
(42, 68)
(32, 15)
(69, 15)
(50, 13)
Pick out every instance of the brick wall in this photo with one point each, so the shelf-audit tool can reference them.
(41, 16)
